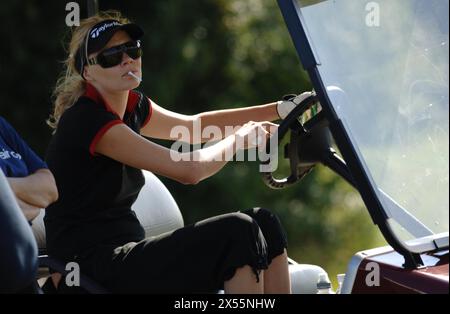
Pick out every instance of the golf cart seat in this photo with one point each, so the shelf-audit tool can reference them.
(158, 212)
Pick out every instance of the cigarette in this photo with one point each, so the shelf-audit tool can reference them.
(137, 78)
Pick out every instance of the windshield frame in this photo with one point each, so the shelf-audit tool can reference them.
(367, 188)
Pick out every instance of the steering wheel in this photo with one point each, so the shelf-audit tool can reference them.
(298, 130)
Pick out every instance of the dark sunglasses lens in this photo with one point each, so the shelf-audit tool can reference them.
(110, 59)
(134, 52)
(113, 56)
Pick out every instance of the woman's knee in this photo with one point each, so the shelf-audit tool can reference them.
(238, 222)
(271, 228)
(245, 244)
(232, 226)
(265, 218)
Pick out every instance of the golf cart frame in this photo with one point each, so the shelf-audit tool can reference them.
(356, 172)
(356, 167)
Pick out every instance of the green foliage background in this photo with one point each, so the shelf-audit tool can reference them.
(199, 55)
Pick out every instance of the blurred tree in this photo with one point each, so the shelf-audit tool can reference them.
(29, 64)
(198, 55)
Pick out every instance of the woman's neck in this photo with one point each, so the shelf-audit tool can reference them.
(116, 100)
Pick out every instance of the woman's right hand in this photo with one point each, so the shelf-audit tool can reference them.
(254, 134)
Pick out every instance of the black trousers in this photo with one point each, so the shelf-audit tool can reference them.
(194, 259)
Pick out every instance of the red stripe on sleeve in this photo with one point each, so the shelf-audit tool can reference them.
(100, 133)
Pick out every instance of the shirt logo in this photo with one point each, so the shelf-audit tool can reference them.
(4, 154)
(96, 31)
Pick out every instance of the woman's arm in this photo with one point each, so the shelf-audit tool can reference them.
(122, 144)
(237, 117)
(38, 189)
(163, 121)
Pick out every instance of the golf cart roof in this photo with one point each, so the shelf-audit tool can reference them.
(381, 71)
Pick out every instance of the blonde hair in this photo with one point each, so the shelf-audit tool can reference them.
(70, 85)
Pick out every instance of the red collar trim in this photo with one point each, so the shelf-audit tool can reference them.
(92, 93)
(133, 99)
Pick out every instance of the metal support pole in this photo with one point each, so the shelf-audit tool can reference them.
(92, 7)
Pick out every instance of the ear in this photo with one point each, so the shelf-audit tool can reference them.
(87, 74)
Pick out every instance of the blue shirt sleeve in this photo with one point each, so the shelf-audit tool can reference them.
(10, 136)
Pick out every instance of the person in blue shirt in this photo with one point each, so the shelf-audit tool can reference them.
(28, 176)
(25, 177)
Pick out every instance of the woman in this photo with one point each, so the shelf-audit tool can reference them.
(28, 176)
(96, 154)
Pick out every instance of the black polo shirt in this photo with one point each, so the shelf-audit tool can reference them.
(95, 192)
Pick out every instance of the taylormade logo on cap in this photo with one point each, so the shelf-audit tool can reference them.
(96, 31)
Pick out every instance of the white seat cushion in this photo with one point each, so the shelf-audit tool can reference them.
(155, 207)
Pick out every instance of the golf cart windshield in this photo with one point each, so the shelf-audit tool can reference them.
(385, 65)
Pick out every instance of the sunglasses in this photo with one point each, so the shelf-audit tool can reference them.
(111, 57)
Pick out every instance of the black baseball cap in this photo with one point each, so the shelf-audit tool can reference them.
(99, 35)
